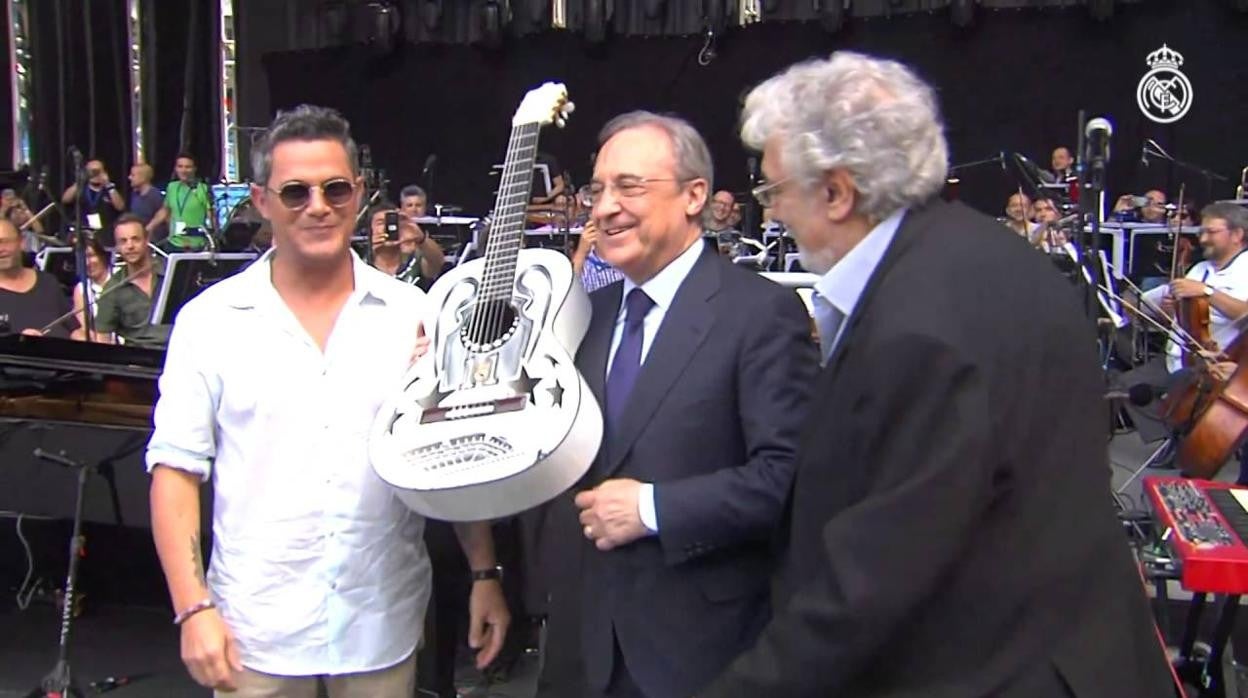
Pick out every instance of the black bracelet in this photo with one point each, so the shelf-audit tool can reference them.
(495, 572)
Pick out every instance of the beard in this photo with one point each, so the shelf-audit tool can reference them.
(818, 262)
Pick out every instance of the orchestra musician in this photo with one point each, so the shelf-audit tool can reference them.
(702, 368)
(940, 541)
(1018, 214)
(1062, 163)
(1222, 277)
(30, 299)
(99, 271)
(317, 571)
(124, 308)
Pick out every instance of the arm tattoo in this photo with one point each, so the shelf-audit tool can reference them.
(197, 557)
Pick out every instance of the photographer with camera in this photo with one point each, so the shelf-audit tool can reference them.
(101, 202)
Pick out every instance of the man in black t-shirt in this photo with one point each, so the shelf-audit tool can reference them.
(29, 300)
(101, 202)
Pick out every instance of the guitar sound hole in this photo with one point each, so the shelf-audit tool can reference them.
(491, 322)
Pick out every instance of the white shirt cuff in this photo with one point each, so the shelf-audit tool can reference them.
(645, 508)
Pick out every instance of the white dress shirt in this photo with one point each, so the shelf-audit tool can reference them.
(316, 565)
(1231, 280)
(661, 288)
(838, 291)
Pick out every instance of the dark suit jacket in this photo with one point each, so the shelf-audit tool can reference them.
(951, 530)
(713, 422)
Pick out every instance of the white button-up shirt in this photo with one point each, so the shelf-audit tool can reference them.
(316, 565)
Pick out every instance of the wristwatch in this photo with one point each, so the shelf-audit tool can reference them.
(1209, 291)
(495, 572)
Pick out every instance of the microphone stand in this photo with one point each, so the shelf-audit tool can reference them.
(60, 681)
(80, 241)
(1207, 174)
(1091, 188)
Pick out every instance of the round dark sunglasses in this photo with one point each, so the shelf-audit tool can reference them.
(296, 195)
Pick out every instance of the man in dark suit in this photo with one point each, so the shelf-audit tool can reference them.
(951, 532)
(703, 372)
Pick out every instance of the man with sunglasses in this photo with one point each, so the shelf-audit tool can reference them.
(318, 574)
(703, 370)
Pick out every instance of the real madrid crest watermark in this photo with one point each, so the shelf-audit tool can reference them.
(1164, 93)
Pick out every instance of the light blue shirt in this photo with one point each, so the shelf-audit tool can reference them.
(661, 288)
(837, 292)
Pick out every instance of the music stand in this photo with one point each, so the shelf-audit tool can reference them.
(189, 273)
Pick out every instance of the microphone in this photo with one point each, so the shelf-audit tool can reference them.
(1144, 154)
(75, 153)
(429, 163)
(751, 168)
(1098, 132)
(1001, 157)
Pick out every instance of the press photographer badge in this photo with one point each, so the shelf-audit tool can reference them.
(1164, 93)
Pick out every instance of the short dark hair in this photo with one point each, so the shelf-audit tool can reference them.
(185, 156)
(378, 208)
(413, 190)
(303, 123)
(127, 219)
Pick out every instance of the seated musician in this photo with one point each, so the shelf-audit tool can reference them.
(1222, 277)
(1062, 164)
(99, 271)
(1018, 214)
(29, 299)
(125, 305)
(413, 258)
(14, 208)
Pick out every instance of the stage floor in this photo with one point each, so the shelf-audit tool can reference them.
(139, 642)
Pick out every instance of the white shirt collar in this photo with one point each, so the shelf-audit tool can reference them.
(844, 283)
(662, 287)
(257, 282)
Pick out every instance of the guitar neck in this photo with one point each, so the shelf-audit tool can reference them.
(506, 235)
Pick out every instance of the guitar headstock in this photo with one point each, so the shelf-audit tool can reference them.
(544, 105)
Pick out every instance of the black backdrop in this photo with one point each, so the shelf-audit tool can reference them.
(63, 114)
(1014, 82)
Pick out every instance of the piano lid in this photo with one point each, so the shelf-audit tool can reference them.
(50, 353)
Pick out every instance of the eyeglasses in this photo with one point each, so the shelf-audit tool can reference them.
(625, 187)
(766, 193)
(296, 195)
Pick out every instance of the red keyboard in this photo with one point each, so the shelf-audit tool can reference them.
(1208, 526)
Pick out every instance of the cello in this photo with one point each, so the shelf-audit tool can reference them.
(1192, 314)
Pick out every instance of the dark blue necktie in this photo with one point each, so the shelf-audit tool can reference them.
(627, 362)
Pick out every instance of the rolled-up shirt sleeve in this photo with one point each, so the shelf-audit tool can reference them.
(185, 425)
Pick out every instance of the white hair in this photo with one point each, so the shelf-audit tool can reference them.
(869, 116)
